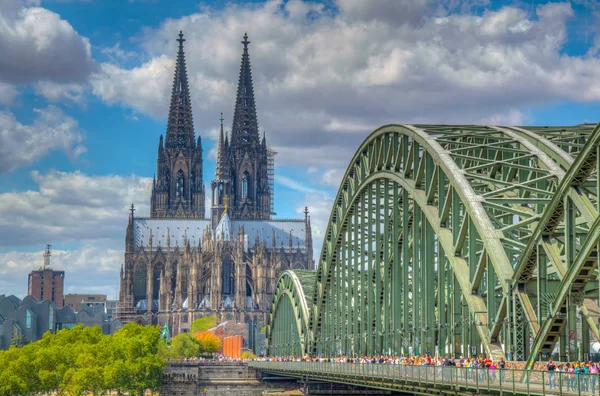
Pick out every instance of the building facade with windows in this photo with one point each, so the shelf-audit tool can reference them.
(47, 284)
(91, 300)
(27, 320)
(180, 265)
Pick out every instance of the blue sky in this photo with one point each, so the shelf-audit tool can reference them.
(84, 92)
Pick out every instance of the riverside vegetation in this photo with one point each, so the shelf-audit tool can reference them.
(83, 361)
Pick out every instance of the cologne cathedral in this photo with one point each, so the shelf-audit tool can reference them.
(180, 265)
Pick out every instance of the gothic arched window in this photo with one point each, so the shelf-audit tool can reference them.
(245, 186)
(139, 281)
(180, 184)
(228, 279)
(158, 268)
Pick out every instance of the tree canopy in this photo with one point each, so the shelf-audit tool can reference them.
(203, 324)
(83, 360)
(185, 346)
(209, 342)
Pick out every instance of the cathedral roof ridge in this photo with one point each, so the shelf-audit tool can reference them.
(281, 220)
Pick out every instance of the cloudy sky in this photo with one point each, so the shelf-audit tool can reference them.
(84, 93)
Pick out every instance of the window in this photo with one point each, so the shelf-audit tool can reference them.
(180, 184)
(28, 320)
(245, 186)
(158, 268)
(139, 281)
(60, 326)
(50, 317)
(227, 288)
(228, 302)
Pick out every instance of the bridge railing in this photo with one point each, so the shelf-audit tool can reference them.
(480, 379)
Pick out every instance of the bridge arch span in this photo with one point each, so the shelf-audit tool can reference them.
(430, 242)
(288, 331)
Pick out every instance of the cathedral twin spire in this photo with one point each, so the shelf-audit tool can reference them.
(180, 126)
(244, 132)
(179, 188)
(242, 164)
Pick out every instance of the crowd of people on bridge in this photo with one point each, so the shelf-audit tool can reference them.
(418, 360)
(575, 376)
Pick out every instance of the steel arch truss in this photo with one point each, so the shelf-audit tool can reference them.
(288, 330)
(465, 239)
(433, 218)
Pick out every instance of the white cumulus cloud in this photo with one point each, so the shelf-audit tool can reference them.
(36, 43)
(324, 79)
(71, 206)
(22, 145)
(78, 264)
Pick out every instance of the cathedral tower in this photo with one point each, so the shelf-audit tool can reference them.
(178, 188)
(242, 162)
(179, 266)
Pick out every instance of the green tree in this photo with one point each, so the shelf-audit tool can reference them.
(17, 373)
(185, 346)
(137, 363)
(203, 324)
(83, 360)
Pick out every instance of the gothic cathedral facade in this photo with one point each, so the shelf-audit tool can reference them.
(180, 265)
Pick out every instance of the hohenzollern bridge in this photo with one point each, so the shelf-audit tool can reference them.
(454, 240)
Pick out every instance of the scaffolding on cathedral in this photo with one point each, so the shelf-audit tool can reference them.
(125, 310)
(271, 177)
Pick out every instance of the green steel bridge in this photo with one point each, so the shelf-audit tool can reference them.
(436, 380)
(454, 240)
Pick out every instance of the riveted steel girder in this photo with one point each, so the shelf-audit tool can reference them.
(500, 184)
(461, 238)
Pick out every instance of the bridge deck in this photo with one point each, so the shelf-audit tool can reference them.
(437, 380)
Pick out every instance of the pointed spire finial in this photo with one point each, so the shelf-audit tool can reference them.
(306, 214)
(220, 153)
(132, 210)
(245, 42)
(181, 39)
